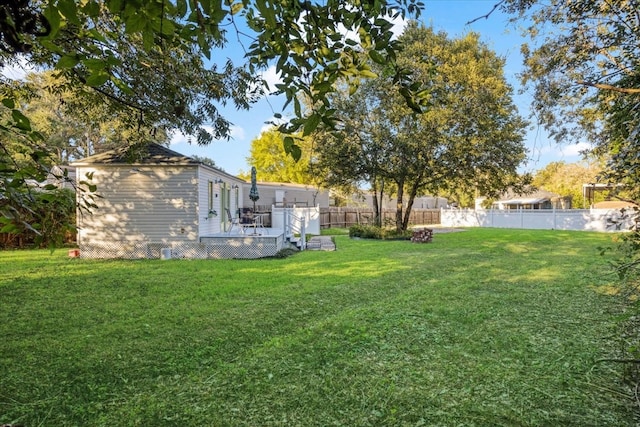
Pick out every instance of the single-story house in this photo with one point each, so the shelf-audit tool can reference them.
(160, 198)
(62, 177)
(538, 199)
(365, 200)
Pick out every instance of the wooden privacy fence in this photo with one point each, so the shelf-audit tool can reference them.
(346, 217)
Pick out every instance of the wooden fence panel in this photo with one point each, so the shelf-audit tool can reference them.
(346, 217)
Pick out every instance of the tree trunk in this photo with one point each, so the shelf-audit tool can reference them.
(407, 213)
(376, 213)
(377, 203)
(379, 218)
(399, 216)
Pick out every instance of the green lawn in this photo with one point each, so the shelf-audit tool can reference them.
(482, 327)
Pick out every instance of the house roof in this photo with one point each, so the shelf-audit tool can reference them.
(286, 185)
(527, 201)
(148, 154)
(614, 204)
(527, 194)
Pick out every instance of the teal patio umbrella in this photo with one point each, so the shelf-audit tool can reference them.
(253, 193)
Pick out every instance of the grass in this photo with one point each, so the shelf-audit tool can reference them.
(482, 327)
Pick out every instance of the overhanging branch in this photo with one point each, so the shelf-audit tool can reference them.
(495, 6)
(627, 90)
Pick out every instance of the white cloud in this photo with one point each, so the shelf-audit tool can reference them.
(17, 71)
(574, 150)
(237, 132)
(271, 123)
(398, 22)
(271, 77)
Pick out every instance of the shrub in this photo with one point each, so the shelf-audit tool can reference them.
(285, 253)
(380, 233)
(47, 219)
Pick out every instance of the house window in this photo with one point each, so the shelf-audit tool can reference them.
(210, 194)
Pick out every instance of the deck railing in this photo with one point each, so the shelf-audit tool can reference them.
(294, 225)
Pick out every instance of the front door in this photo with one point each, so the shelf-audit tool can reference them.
(225, 204)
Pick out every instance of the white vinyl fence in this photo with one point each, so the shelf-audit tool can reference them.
(547, 219)
(310, 215)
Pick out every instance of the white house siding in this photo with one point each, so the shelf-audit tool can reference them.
(208, 223)
(388, 202)
(293, 194)
(214, 222)
(141, 204)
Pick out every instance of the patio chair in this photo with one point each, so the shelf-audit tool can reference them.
(234, 221)
(248, 218)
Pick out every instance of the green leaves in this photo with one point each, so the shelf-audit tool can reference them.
(267, 12)
(20, 120)
(97, 78)
(311, 123)
(52, 15)
(9, 102)
(69, 10)
(291, 148)
(377, 57)
(67, 61)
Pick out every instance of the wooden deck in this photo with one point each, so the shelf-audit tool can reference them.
(260, 243)
(252, 243)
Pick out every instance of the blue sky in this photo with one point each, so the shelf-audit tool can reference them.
(448, 15)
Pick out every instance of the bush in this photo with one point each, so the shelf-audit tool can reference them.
(285, 253)
(47, 219)
(380, 233)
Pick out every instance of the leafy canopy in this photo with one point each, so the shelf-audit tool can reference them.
(160, 63)
(149, 56)
(469, 138)
(273, 164)
(566, 179)
(582, 67)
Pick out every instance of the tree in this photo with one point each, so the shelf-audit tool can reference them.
(205, 160)
(144, 61)
(149, 55)
(469, 137)
(356, 154)
(583, 70)
(586, 81)
(73, 126)
(274, 164)
(566, 179)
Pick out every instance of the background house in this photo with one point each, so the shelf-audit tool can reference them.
(158, 197)
(365, 200)
(285, 195)
(538, 199)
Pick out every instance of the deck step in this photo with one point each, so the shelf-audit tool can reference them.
(321, 243)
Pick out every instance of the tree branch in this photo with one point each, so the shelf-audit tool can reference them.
(611, 87)
(495, 6)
